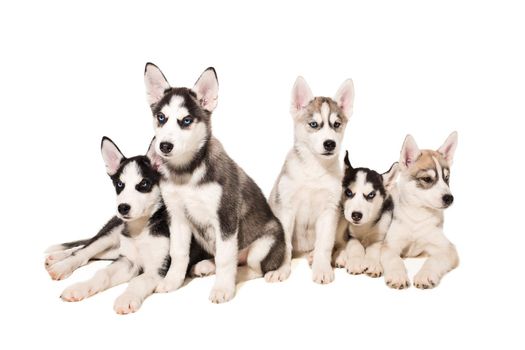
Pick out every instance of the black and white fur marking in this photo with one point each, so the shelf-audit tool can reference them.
(367, 208)
(137, 238)
(205, 191)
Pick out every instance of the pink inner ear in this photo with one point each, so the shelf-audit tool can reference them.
(300, 99)
(446, 151)
(343, 103)
(113, 162)
(408, 157)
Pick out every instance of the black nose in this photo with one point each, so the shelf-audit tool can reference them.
(356, 216)
(124, 208)
(448, 199)
(329, 145)
(166, 147)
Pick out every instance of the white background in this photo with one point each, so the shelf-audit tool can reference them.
(72, 73)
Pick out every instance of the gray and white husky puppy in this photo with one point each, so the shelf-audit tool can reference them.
(420, 197)
(205, 191)
(307, 192)
(367, 208)
(137, 238)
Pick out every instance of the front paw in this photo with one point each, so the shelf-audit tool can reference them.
(323, 274)
(278, 275)
(355, 266)
(127, 304)
(373, 268)
(168, 285)
(341, 259)
(397, 279)
(61, 270)
(203, 268)
(54, 257)
(221, 294)
(426, 279)
(77, 292)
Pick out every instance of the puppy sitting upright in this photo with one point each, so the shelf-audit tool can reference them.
(417, 229)
(205, 191)
(307, 193)
(367, 207)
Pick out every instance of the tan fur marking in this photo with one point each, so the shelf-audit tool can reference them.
(425, 161)
(315, 107)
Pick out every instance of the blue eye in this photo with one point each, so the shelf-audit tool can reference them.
(161, 118)
(349, 193)
(187, 121)
(120, 184)
(371, 195)
(313, 125)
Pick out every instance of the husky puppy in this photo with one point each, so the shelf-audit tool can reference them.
(421, 196)
(137, 237)
(367, 213)
(307, 192)
(205, 191)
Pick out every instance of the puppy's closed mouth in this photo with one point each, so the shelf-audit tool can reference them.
(328, 153)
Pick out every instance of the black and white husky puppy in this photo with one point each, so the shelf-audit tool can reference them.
(137, 238)
(367, 208)
(205, 191)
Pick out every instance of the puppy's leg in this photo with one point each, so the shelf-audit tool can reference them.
(394, 268)
(226, 267)
(353, 257)
(287, 219)
(441, 260)
(118, 272)
(203, 268)
(64, 268)
(373, 260)
(180, 240)
(138, 290)
(341, 241)
(325, 230)
(110, 254)
(60, 255)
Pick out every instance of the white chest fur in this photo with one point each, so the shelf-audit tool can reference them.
(196, 204)
(418, 227)
(144, 250)
(308, 191)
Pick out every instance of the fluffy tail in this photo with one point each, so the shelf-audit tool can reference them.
(66, 246)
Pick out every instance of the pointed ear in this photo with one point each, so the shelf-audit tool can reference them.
(345, 97)
(389, 178)
(449, 147)
(207, 89)
(153, 156)
(347, 162)
(301, 95)
(111, 155)
(410, 152)
(155, 82)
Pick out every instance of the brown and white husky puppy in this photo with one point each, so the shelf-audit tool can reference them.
(420, 197)
(307, 192)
